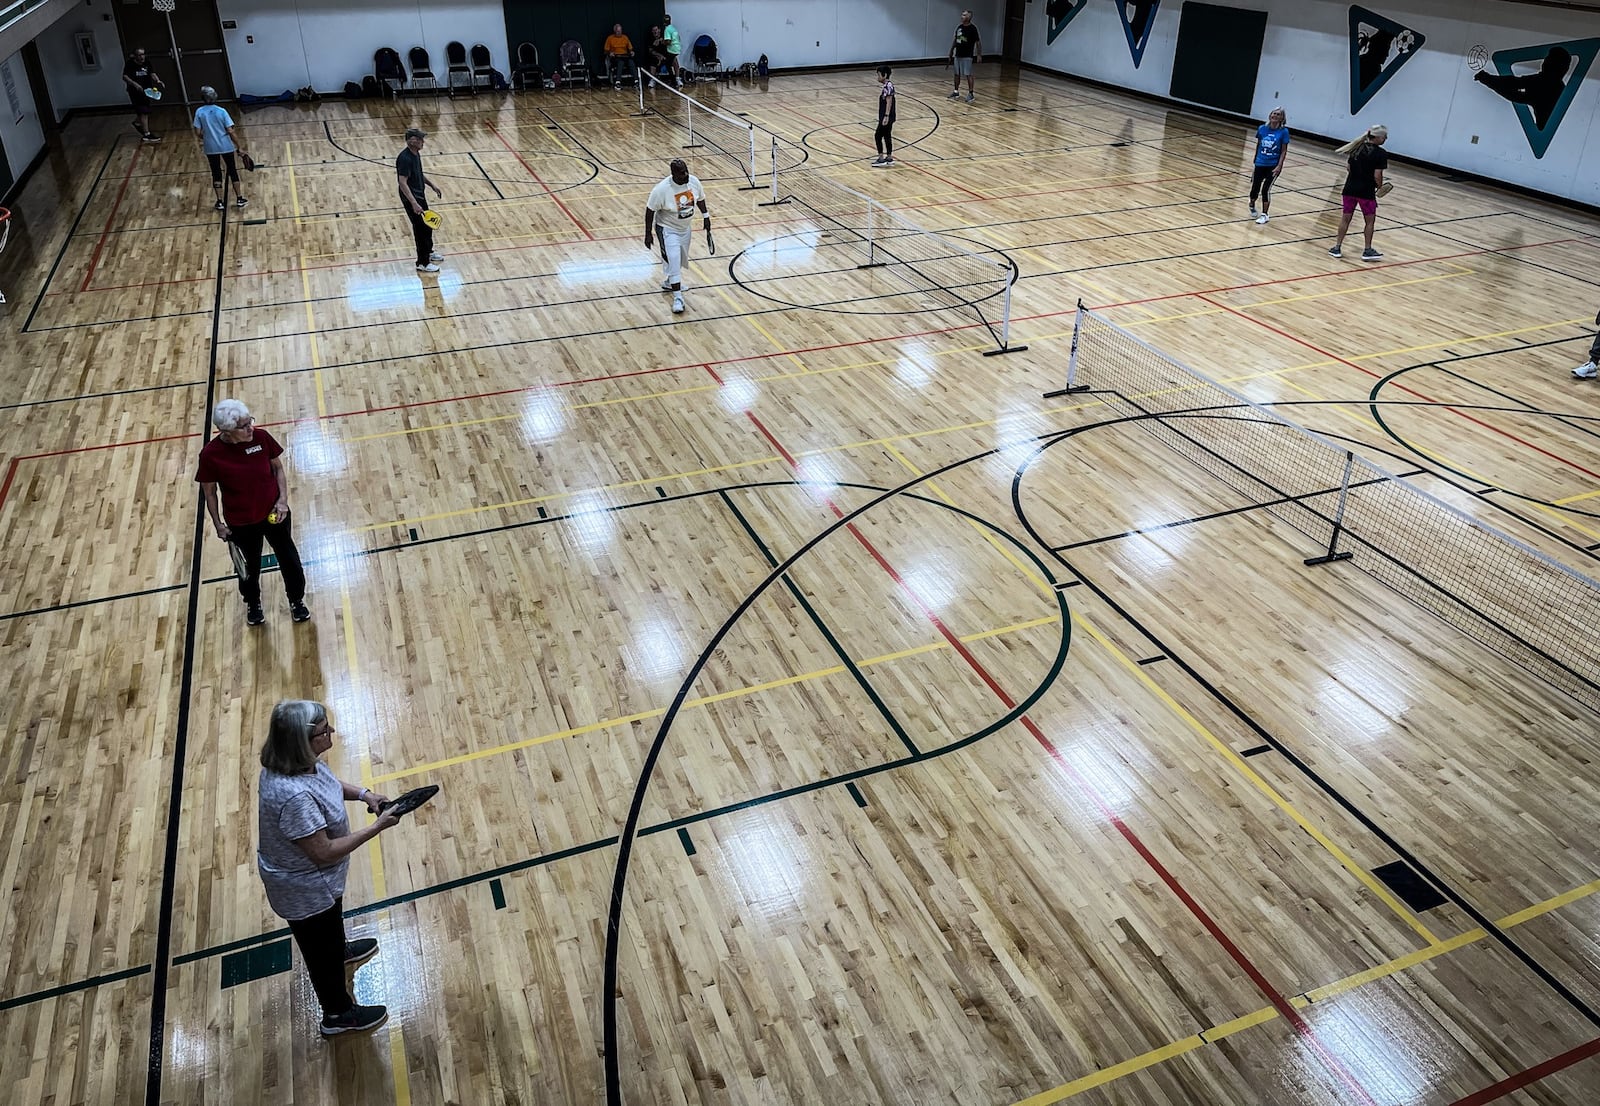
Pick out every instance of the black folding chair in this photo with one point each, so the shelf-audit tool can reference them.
(455, 64)
(482, 67)
(422, 70)
(526, 72)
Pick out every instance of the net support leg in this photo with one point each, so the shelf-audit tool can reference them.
(1333, 553)
(693, 145)
(872, 244)
(1072, 361)
(750, 170)
(775, 201)
(1005, 323)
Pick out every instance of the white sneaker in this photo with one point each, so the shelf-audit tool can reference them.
(436, 256)
(677, 304)
(428, 268)
(1586, 371)
(1262, 218)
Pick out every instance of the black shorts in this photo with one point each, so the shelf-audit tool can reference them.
(140, 102)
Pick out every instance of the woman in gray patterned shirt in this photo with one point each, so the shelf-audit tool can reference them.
(305, 852)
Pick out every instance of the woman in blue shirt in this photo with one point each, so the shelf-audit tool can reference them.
(1272, 147)
(220, 142)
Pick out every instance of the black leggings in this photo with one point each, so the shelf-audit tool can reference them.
(249, 538)
(321, 941)
(883, 137)
(217, 161)
(1261, 185)
(422, 234)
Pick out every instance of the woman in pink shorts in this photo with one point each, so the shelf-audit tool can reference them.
(1367, 159)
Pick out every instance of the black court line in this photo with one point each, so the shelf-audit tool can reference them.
(828, 635)
(74, 987)
(1521, 260)
(67, 240)
(1277, 745)
(499, 194)
(180, 737)
(75, 603)
(1257, 751)
(594, 170)
(1266, 504)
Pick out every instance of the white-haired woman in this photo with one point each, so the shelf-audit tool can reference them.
(304, 855)
(220, 143)
(1272, 150)
(247, 494)
(1367, 160)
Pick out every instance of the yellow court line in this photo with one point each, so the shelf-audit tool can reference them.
(305, 285)
(706, 700)
(1027, 570)
(1319, 994)
(1242, 766)
(1575, 498)
(374, 850)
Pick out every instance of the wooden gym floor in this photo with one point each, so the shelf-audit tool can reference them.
(934, 815)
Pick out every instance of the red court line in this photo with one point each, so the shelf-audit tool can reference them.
(5, 486)
(1556, 457)
(1280, 1003)
(1532, 1075)
(759, 223)
(564, 209)
(106, 230)
(1338, 272)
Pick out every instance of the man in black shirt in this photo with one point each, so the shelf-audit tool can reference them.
(1367, 160)
(414, 198)
(138, 76)
(965, 51)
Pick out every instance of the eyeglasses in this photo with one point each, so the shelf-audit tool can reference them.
(326, 731)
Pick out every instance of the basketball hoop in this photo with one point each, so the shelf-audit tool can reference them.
(5, 233)
(164, 5)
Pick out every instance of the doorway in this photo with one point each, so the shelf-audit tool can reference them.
(1016, 20)
(201, 58)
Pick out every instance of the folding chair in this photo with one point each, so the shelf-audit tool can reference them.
(455, 65)
(573, 67)
(526, 73)
(706, 61)
(482, 67)
(388, 70)
(422, 70)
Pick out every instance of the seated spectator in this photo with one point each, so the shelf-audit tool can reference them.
(658, 50)
(619, 54)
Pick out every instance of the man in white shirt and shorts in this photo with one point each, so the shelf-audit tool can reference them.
(669, 217)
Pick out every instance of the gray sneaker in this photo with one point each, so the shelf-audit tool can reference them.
(677, 304)
(970, 97)
(1370, 254)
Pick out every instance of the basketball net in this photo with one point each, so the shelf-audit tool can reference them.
(164, 5)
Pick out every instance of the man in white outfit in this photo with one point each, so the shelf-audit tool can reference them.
(670, 213)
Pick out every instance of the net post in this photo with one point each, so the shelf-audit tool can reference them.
(641, 77)
(1073, 386)
(1005, 321)
(5, 235)
(775, 201)
(872, 240)
(1338, 519)
(693, 145)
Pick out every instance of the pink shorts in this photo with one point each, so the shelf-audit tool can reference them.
(1369, 208)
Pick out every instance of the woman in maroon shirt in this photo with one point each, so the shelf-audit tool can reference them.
(242, 467)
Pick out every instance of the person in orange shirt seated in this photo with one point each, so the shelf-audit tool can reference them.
(619, 55)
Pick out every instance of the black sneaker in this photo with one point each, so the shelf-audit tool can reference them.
(148, 137)
(241, 201)
(359, 951)
(357, 1019)
(299, 611)
(221, 206)
(253, 614)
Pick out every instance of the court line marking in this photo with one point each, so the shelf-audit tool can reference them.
(1317, 994)
(1067, 769)
(94, 259)
(704, 700)
(1238, 763)
(399, 1071)
(305, 284)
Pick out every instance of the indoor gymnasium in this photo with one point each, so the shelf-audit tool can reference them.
(800, 553)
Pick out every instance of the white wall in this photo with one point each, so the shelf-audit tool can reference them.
(1432, 106)
(312, 42)
(834, 32)
(70, 86)
(21, 138)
